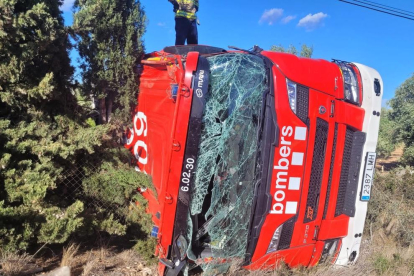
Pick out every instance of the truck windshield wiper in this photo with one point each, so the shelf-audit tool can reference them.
(255, 51)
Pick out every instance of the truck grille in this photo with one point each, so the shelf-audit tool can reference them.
(286, 235)
(302, 103)
(351, 163)
(331, 169)
(318, 161)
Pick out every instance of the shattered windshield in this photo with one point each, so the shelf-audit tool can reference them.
(223, 189)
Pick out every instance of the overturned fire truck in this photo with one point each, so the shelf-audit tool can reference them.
(255, 156)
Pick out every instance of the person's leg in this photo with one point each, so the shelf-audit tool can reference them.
(181, 30)
(193, 33)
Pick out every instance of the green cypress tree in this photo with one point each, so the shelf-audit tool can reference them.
(109, 39)
(109, 34)
(42, 128)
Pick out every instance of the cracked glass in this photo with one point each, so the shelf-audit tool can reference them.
(223, 188)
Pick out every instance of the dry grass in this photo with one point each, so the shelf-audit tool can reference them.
(104, 261)
(388, 257)
(103, 248)
(13, 264)
(126, 256)
(103, 253)
(68, 256)
(89, 267)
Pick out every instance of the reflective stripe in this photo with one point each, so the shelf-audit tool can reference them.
(187, 9)
(185, 14)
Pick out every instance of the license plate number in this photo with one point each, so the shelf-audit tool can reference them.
(368, 176)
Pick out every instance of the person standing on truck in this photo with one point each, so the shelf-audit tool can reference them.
(185, 21)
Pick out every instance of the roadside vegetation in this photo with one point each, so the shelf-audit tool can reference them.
(64, 174)
(68, 189)
(305, 51)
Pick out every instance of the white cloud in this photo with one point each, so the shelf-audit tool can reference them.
(312, 21)
(271, 16)
(161, 24)
(288, 18)
(67, 5)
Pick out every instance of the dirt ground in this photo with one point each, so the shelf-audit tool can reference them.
(386, 164)
(107, 257)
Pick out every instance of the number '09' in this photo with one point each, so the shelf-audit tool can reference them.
(140, 148)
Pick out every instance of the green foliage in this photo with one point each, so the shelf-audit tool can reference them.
(306, 51)
(42, 127)
(110, 225)
(90, 122)
(109, 41)
(60, 224)
(146, 249)
(386, 144)
(114, 184)
(137, 212)
(16, 230)
(382, 264)
(22, 225)
(408, 155)
(392, 205)
(402, 117)
(46, 125)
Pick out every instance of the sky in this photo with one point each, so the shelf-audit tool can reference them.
(336, 30)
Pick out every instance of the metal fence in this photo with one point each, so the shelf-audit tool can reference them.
(71, 188)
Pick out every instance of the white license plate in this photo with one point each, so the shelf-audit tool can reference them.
(368, 176)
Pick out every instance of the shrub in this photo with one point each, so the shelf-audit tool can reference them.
(392, 205)
(382, 265)
(386, 142)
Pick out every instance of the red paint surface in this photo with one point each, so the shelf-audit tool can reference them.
(165, 139)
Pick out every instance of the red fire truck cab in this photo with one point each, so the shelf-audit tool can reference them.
(256, 156)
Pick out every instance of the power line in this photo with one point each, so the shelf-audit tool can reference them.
(393, 11)
(387, 6)
(371, 8)
(380, 6)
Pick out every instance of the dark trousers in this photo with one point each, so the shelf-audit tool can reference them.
(185, 29)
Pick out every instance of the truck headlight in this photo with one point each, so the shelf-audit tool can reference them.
(274, 243)
(292, 93)
(330, 250)
(181, 247)
(351, 85)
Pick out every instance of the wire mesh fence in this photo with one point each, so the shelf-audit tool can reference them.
(73, 187)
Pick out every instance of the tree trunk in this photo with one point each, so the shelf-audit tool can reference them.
(109, 104)
(102, 112)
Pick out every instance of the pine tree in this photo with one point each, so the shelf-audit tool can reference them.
(42, 128)
(110, 42)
